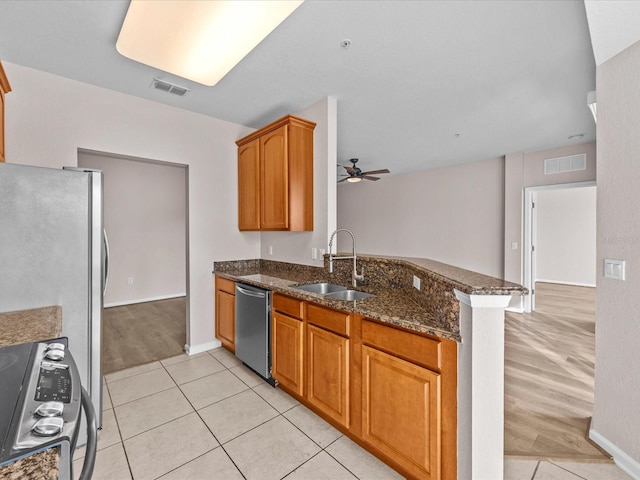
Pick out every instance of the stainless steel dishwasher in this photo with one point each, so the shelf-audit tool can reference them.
(253, 329)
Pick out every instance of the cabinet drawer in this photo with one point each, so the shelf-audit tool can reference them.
(414, 348)
(337, 322)
(288, 305)
(225, 285)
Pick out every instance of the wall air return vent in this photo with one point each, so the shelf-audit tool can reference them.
(572, 163)
(169, 87)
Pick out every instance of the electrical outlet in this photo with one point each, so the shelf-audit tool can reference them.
(271, 250)
(416, 282)
(314, 253)
(130, 280)
(322, 252)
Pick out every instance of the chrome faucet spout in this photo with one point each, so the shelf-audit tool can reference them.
(355, 277)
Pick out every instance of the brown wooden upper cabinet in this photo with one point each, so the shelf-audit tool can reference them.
(4, 89)
(275, 176)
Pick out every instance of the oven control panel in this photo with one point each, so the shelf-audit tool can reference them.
(51, 410)
(54, 383)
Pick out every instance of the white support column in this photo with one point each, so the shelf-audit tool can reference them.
(481, 386)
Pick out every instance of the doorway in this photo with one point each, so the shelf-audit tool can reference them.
(146, 218)
(550, 349)
(565, 240)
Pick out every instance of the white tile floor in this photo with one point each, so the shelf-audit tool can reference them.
(208, 416)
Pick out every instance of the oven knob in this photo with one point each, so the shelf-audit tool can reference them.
(48, 427)
(54, 354)
(55, 346)
(50, 409)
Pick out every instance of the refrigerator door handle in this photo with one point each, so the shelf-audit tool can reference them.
(106, 260)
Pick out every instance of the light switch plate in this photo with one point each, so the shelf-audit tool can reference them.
(614, 269)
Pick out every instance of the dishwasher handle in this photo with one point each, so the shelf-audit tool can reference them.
(251, 293)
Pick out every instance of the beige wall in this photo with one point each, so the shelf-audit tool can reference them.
(453, 215)
(617, 383)
(566, 236)
(527, 170)
(145, 219)
(49, 118)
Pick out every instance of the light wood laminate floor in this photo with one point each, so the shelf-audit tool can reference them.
(549, 376)
(142, 333)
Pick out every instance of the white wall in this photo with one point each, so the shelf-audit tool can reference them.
(616, 420)
(296, 246)
(453, 215)
(48, 118)
(566, 237)
(145, 218)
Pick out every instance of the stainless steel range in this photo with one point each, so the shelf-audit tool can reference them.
(42, 400)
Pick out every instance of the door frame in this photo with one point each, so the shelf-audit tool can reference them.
(530, 234)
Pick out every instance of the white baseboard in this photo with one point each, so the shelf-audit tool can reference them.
(144, 300)
(624, 461)
(573, 284)
(203, 347)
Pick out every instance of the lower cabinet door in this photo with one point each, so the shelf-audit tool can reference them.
(226, 319)
(401, 412)
(328, 379)
(287, 352)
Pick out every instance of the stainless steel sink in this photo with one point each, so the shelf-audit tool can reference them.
(322, 288)
(331, 290)
(349, 295)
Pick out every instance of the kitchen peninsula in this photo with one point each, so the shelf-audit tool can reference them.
(394, 371)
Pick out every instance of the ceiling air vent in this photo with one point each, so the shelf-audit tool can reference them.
(169, 87)
(571, 163)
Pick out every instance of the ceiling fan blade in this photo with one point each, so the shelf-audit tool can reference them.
(349, 169)
(370, 178)
(376, 172)
(343, 180)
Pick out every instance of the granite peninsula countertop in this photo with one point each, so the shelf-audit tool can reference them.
(433, 310)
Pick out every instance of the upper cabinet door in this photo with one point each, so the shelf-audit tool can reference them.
(274, 180)
(249, 186)
(275, 176)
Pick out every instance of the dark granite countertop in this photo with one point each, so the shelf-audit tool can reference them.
(39, 466)
(30, 325)
(434, 310)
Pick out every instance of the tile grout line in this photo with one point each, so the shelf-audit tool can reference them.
(197, 412)
(566, 470)
(115, 418)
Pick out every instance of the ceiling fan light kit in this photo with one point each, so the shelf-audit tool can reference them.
(196, 40)
(356, 175)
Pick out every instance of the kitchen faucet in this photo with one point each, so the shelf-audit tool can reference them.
(354, 275)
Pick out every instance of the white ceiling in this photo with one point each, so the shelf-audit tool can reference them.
(614, 25)
(507, 76)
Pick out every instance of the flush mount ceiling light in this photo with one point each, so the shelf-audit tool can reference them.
(198, 40)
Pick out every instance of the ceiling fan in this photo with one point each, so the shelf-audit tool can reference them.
(356, 175)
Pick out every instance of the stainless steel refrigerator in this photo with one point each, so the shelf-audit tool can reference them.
(53, 252)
